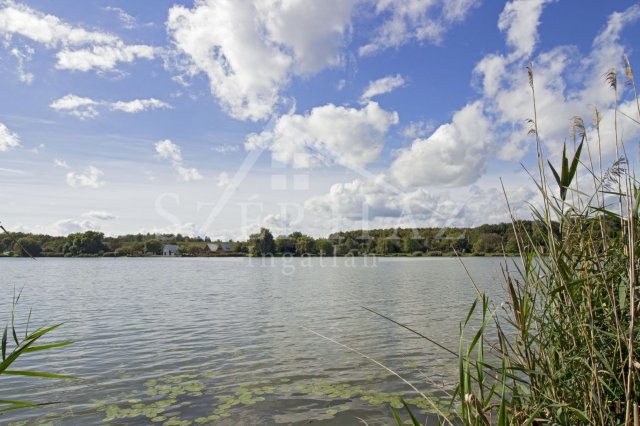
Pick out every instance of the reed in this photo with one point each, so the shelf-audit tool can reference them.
(568, 345)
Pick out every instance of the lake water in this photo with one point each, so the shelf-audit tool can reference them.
(181, 341)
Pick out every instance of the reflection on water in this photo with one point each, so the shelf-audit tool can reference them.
(226, 341)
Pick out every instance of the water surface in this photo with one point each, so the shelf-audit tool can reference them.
(229, 341)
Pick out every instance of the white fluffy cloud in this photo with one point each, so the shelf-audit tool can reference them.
(382, 86)
(90, 178)
(103, 57)
(8, 139)
(188, 174)
(519, 20)
(84, 108)
(77, 106)
(375, 202)
(171, 151)
(78, 49)
(415, 20)
(328, 134)
(369, 198)
(454, 155)
(248, 49)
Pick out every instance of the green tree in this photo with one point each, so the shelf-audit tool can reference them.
(411, 244)
(262, 243)
(305, 245)
(239, 247)
(153, 246)
(89, 242)
(285, 245)
(137, 248)
(386, 246)
(28, 246)
(488, 243)
(324, 247)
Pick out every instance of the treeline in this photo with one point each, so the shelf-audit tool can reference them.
(481, 240)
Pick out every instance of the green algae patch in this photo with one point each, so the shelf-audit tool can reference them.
(165, 400)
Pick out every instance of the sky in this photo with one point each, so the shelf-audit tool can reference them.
(218, 117)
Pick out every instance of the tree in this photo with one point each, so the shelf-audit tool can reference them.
(89, 242)
(262, 243)
(239, 247)
(410, 244)
(386, 246)
(324, 247)
(137, 248)
(305, 245)
(27, 246)
(488, 243)
(153, 246)
(285, 245)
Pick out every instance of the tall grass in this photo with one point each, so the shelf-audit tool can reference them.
(568, 340)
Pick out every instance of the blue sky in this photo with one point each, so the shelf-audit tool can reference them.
(217, 117)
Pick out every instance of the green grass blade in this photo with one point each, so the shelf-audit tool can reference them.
(396, 416)
(49, 346)
(42, 331)
(4, 343)
(414, 420)
(36, 374)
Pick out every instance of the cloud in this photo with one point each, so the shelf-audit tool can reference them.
(84, 108)
(102, 57)
(520, 20)
(382, 86)
(78, 49)
(224, 149)
(418, 129)
(223, 180)
(188, 174)
(171, 151)
(37, 149)
(60, 163)
(188, 229)
(138, 105)
(404, 21)
(8, 139)
(369, 198)
(70, 226)
(374, 202)
(77, 106)
(90, 178)
(328, 134)
(249, 49)
(567, 84)
(99, 215)
(23, 56)
(455, 154)
(129, 22)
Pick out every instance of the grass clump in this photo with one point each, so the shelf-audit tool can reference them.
(15, 345)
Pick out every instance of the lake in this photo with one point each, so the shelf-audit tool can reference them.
(230, 341)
